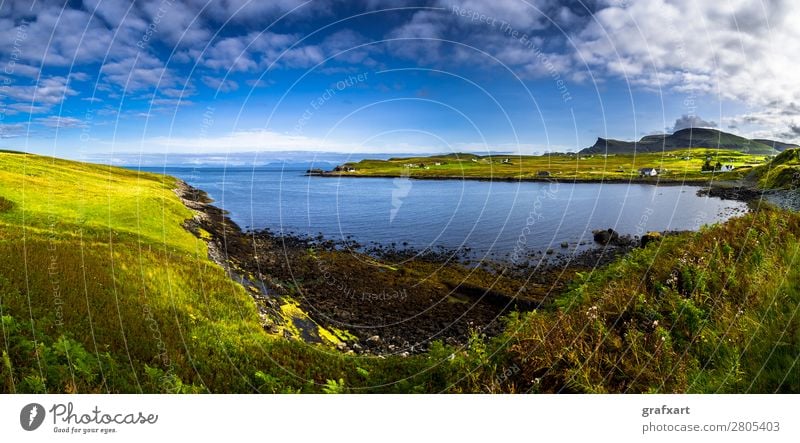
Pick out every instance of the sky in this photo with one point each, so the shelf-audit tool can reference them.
(91, 79)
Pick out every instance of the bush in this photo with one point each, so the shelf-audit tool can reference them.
(5, 204)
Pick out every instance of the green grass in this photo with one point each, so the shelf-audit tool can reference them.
(677, 166)
(783, 172)
(103, 290)
(713, 311)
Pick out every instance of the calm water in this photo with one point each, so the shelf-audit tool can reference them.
(487, 217)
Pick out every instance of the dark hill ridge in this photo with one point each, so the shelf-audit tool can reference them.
(685, 138)
(779, 146)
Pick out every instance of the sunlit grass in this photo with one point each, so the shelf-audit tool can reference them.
(714, 311)
(678, 165)
(97, 256)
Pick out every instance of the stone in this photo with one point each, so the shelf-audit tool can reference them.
(605, 237)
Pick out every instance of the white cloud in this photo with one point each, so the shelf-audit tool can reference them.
(40, 97)
(259, 140)
(55, 121)
(141, 73)
(12, 130)
(245, 141)
(734, 50)
(222, 85)
(692, 121)
(247, 52)
(526, 16)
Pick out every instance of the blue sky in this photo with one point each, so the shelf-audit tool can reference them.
(85, 79)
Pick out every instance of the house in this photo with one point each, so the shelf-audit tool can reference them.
(507, 161)
(438, 164)
(648, 172)
(726, 168)
(475, 160)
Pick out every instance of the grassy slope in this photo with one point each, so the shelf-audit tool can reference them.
(783, 172)
(564, 167)
(101, 289)
(713, 311)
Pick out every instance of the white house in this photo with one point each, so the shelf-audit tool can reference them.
(648, 172)
(726, 168)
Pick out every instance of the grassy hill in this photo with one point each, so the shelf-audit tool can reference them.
(682, 139)
(783, 172)
(683, 165)
(103, 290)
(778, 146)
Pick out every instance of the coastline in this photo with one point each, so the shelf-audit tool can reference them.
(371, 301)
(723, 189)
(386, 301)
(644, 181)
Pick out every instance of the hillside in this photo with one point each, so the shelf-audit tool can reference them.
(783, 172)
(712, 311)
(103, 290)
(778, 146)
(685, 138)
(677, 166)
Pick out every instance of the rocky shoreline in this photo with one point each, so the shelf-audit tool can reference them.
(783, 198)
(383, 300)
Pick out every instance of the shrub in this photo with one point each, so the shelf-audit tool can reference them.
(5, 204)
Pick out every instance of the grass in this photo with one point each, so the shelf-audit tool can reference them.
(781, 173)
(677, 166)
(713, 311)
(103, 290)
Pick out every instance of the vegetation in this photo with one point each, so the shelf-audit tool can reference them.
(683, 165)
(712, 311)
(686, 138)
(103, 290)
(783, 172)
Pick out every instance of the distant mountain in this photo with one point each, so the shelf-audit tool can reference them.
(685, 138)
(779, 146)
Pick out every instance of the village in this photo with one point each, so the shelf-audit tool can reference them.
(687, 165)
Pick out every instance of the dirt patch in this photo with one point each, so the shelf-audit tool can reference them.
(6, 205)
